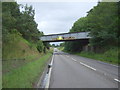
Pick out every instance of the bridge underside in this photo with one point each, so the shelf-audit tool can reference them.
(80, 40)
(81, 36)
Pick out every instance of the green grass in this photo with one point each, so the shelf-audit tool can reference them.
(20, 49)
(13, 64)
(110, 56)
(22, 63)
(25, 76)
(17, 47)
(0, 75)
(61, 48)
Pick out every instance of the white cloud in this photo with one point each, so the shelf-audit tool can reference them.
(55, 17)
(58, 17)
(61, 0)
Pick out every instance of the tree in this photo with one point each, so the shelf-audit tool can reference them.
(21, 22)
(102, 22)
(40, 46)
(53, 45)
(27, 24)
(10, 13)
(80, 25)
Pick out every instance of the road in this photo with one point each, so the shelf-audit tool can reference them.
(71, 71)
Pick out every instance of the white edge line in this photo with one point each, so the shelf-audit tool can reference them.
(117, 80)
(49, 74)
(88, 66)
(114, 65)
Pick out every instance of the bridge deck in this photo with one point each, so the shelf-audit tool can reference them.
(65, 37)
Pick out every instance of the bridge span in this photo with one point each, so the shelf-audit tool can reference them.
(66, 37)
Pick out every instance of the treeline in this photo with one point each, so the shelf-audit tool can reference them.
(20, 22)
(102, 23)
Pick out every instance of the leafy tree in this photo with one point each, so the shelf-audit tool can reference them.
(62, 44)
(102, 22)
(80, 25)
(28, 26)
(53, 45)
(10, 12)
(46, 44)
(22, 22)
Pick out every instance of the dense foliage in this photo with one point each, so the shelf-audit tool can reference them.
(20, 22)
(102, 22)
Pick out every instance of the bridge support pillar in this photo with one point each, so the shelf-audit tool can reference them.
(88, 48)
(44, 49)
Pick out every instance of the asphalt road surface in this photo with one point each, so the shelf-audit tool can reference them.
(71, 71)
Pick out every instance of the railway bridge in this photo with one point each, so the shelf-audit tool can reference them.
(82, 36)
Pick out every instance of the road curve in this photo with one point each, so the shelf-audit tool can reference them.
(71, 71)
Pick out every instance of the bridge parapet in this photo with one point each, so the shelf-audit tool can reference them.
(65, 37)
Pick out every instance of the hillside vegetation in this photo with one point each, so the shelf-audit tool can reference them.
(17, 52)
(102, 23)
(110, 56)
(24, 56)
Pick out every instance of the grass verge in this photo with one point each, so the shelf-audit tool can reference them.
(25, 76)
(61, 48)
(110, 56)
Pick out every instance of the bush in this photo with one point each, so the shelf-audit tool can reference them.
(40, 46)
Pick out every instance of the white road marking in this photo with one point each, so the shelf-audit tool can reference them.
(74, 59)
(67, 56)
(88, 66)
(84, 64)
(114, 65)
(49, 74)
(117, 80)
(93, 68)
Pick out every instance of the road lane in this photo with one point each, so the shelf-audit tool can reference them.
(108, 69)
(68, 73)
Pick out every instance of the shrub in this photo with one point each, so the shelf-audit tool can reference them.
(40, 46)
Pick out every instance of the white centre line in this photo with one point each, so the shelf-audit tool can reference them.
(117, 80)
(88, 66)
(91, 67)
(84, 64)
(67, 56)
(74, 59)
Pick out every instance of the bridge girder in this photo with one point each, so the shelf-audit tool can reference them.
(66, 37)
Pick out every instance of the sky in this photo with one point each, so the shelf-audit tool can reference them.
(58, 17)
